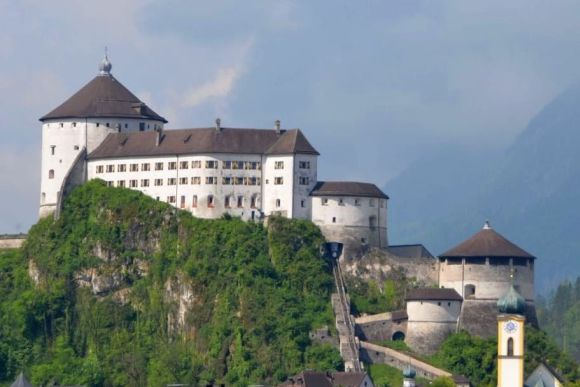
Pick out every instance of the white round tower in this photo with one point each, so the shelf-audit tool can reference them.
(79, 125)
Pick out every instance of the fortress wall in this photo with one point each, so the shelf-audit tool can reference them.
(491, 280)
(352, 237)
(12, 241)
(479, 317)
(426, 337)
(379, 327)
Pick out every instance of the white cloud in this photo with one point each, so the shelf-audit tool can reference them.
(221, 86)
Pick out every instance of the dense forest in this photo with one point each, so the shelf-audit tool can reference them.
(97, 297)
(559, 316)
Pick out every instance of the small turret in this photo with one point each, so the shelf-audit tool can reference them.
(105, 66)
(511, 303)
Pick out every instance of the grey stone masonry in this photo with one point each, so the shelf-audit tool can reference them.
(12, 241)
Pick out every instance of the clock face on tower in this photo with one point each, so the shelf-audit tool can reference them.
(510, 326)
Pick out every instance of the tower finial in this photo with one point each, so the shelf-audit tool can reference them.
(486, 225)
(105, 66)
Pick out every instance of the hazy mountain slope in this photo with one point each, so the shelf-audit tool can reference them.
(530, 193)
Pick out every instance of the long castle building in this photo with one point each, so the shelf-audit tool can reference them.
(104, 131)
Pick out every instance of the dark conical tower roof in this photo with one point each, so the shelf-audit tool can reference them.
(511, 303)
(487, 243)
(104, 96)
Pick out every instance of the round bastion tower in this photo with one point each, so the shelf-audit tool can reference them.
(482, 269)
(75, 128)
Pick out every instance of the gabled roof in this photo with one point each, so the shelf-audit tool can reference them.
(487, 243)
(104, 96)
(348, 378)
(291, 142)
(410, 251)
(433, 294)
(347, 188)
(198, 141)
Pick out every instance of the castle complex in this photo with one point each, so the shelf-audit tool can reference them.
(104, 131)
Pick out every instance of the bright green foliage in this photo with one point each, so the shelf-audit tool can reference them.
(384, 375)
(476, 358)
(257, 292)
(442, 381)
(471, 356)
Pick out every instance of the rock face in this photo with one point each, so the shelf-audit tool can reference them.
(179, 292)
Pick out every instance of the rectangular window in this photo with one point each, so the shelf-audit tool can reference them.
(158, 166)
(100, 169)
(196, 164)
(302, 203)
(240, 201)
(371, 202)
(183, 164)
(171, 199)
(120, 183)
(278, 180)
(182, 202)
(145, 167)
(110, 168)
(172, 181)
(324, 201)
(210, 180)
(239, 181)
(227, 201)
(158, 182)
(340, 202)
(145, 183)
(357, 202)
(134, 167)
(304, 164)
(237, 164)
(211, 164)
(227, 164)
(122, 168)
(194, 201)
(52, 148)
(303, 180)
(183, 180)
(210, 201)
(109, 183)
(172, 165)
(254, 201)
(141, 126)
(226, 180)
(279, 165)
(252, 180)
(196, 180)
(133, 183)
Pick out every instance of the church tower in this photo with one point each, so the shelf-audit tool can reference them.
(76, 127)
(510, 339)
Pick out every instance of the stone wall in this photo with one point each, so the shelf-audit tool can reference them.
(380, 327)
(10, 241)
(426, 337)
(376, 354)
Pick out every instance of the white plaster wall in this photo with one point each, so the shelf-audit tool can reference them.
(69, 137)
(302, 200)
(283, 192)
(439, 311)
(202, 190)
(342, 219)
(491, 281)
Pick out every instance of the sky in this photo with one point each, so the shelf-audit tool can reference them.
(375, 85)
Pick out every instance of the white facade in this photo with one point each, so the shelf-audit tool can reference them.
(442, 311)
(510, 350)
(62, 142)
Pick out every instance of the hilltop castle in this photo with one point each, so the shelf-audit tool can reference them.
(104, 131)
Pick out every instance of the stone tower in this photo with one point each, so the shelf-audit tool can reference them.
(79, 125)
(482, 269)
(510, 339)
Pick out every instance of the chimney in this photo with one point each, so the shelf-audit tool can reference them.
(158, 136)
(277, 126)
(218, 123)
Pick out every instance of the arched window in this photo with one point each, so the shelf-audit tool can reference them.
(51, 174)
(510, 347)
(469, 291)
(398, 336)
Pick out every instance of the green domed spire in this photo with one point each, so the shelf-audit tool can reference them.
(511, 302)
(409, 372)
